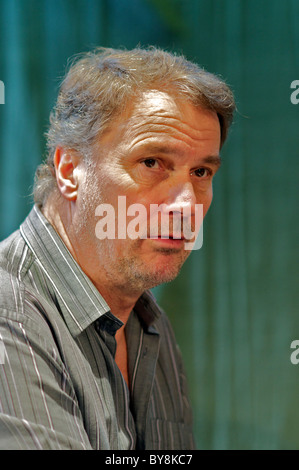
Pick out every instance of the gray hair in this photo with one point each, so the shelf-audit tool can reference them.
(99, 85)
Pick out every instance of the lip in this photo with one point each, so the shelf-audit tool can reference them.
(168, 236)
(168, 241)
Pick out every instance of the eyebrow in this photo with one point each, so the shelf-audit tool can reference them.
(212, 159)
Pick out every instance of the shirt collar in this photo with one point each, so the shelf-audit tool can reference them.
(147, 309)
(79, 300)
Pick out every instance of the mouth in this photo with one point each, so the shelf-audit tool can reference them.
(167, 236)
(169, 241)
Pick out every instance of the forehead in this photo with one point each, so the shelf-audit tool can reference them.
(159, 115)
(155, 102)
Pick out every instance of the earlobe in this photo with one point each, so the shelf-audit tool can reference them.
(65, 163)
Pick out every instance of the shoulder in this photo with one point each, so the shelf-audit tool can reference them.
(20, 302)
(11, 250)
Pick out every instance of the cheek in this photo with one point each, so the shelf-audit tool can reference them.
(207, 200)
(118, 177)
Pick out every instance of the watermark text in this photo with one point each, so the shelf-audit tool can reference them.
(2, 352)
(295, 94)
(2, 93)
(156, 222)
(295, 354)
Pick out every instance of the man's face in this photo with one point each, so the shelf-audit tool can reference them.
(161, 151)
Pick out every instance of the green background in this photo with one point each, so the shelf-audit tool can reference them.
(234, 307)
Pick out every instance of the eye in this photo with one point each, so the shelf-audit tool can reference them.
(150, 163)
(202, 172)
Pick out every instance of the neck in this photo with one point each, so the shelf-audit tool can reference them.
(120, 300)
(121, 303)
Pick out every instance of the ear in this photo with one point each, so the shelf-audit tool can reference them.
(65, 163)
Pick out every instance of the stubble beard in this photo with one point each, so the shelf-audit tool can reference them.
(132, 274)
(124, 269)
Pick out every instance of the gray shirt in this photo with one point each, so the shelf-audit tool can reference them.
(60, 387)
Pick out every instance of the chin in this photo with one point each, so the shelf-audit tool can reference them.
(161, 275)
(141, 273)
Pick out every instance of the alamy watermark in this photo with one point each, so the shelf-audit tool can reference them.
(2, 93)
(295, 94)
(156, 222)
(2, 352)
(294, 357)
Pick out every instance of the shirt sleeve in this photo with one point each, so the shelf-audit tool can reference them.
(38, 405)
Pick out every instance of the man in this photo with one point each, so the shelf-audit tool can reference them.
(90, 359)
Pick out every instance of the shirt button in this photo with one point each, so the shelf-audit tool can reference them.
(144, 352)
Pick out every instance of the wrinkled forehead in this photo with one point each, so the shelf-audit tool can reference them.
(157, 113)
(157, 102)
(163, 104)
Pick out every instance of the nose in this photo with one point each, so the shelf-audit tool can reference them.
(179, 202)
(180, 196)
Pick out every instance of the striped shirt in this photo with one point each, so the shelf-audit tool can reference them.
(60, 387)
